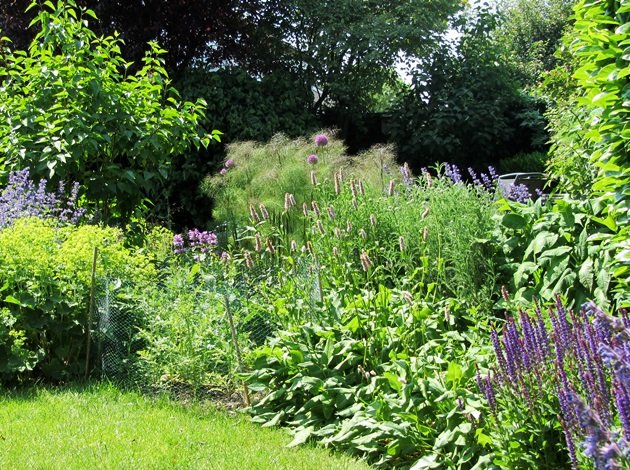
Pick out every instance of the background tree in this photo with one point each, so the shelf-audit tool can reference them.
(347, 49)
(465, 105)
(532, 31)
(211, 30)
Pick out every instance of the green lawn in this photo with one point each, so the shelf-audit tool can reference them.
(101, 427)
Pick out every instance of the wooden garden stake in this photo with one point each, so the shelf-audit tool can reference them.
(90, 313)
(239, 359)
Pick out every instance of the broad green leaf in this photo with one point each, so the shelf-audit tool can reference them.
(514, 221)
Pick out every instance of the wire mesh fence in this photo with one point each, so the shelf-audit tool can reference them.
(201, 350)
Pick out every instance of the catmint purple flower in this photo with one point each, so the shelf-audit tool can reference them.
(321, 140)
(23, 198)
(453, 173)
(493, 173)
(312, 159)
(518, 193)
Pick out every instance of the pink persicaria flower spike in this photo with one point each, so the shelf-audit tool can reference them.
(321, 140)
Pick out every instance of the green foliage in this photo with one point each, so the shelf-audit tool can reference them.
(554, 248)
(591, 141)
(387, 378)
(45, 275)
(247, 108)
(184, 330)
(601, 35)
(534, 162)
(263, 174)
(464, 105)
(71, 111)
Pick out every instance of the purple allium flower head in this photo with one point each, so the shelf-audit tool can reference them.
(321, 140)
(229, 163)
(312, 159)
(223, 171)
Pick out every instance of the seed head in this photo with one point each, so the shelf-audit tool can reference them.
(253, 214)
(263, 211)
(248, 260)
(270, 247)
(390, 189)
(366, 262)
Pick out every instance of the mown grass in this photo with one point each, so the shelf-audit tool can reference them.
(99, 426)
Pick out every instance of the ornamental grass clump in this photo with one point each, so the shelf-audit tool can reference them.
(559, 393)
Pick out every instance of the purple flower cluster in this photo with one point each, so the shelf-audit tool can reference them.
(453, 173)
(23, 198)
(321, 140)
(229, 163)
(519, 193)
(587, 358)
(483, 181)
(312, 159)
(197, 242)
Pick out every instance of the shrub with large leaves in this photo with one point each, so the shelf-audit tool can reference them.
(389, 379)
(70, 111)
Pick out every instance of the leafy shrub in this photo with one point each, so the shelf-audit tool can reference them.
(560, 379)
(45, 273)
(553, 247)
(534, 162)
(388, 377)
(70, 111)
